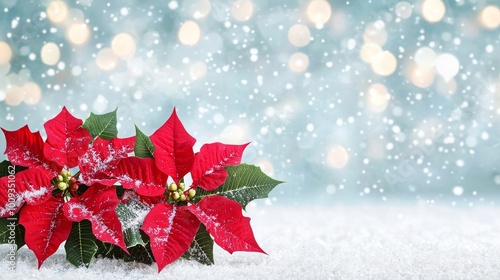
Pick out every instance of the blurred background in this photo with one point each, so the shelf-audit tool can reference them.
(347, 101)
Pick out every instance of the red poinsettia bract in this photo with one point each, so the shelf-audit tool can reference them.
(66, 141)
(173, 226)
(46, 218)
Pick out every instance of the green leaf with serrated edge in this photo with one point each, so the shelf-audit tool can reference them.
(139, 254)
(243, 184)
(103, 126)
(81, 245)
(110, 251)
(104, 249)
(128, 215)
(6, 170)
(143, 146)
(11, 232)
(202, 247)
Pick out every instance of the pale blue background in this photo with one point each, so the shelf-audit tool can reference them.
(229, 107)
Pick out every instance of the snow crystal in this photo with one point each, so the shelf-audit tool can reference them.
(167, 230)
(32, 195)
(77, 210)
(138, 209)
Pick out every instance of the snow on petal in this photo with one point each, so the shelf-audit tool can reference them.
(171, 230)
(24, 147)
(98, 205)
(10, 203)
(225, 222)
(46, 227)
(101, 158)
(141, 175)
(208, 169)
(127, 144)
(31, 185)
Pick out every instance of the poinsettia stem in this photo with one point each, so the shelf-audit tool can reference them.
(77, 175)
(72, 191)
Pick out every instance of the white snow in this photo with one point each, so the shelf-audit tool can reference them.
(342, 242)
(34, 194)
(140, 210)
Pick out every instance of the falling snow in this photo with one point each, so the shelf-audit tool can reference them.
(346, 101)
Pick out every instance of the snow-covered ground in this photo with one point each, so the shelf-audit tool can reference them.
(343, 242)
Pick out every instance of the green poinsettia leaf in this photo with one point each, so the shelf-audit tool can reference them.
(102, 126)
(202, 247)
(105, 249)
(81, 245)
(11, 232)
(243, 184)
(131, 216)
(137, 253)
(110, 251)
(140, 254)
(6, 168)
(143, 146)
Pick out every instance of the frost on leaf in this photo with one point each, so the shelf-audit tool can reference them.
(171, 230)
(208, 169)
(132, 214)
(46, 227)
(141, 175)
(98, 205)
(136, 210)
(224, 220)
(201, 248)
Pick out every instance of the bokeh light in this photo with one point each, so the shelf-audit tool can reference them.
(425, 57)
(189, 33)
(404, 9)
(242, 10)
(319, 12)
(375, 33)
(447, 65)
(377, 98)
(32, 93)
(338, 95)
(266, 166)
(420, 76)
(369, 51)
(78, 33)
(490, 17)
(433, 10)
(57, 11)
(337, 157)
(14, 96)
(106, 59)
(123, 45)
(198, 8)
(298, 62)
(5, 53)
(50, 54)
(384, 63)
(299, 35)
(197, 70)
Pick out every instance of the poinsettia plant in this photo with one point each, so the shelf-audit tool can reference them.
(145, 199)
